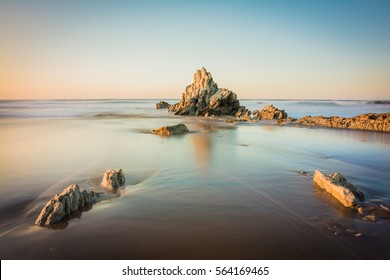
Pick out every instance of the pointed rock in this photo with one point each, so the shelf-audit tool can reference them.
(113, 179)
(204, 98)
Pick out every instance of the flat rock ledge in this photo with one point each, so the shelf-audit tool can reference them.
(204, 98)
(171, 130)
(162, 105)
(373, 122)
(61, 205)
(339, 187)
(113, 179)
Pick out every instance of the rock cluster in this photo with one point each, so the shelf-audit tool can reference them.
(375, 122)
(270, 112)
(204, 98)
(162, 105)
(339, 187)
(113, 179)
(171, 130)
(69, 200)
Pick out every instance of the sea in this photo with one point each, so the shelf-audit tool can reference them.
(223, 191)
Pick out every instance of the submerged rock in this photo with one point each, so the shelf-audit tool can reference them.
(61, 205)
(371, 121)
(339, 187)
(171, 130)
(113, 179)
(162, 105)
(204, 98)
(270, 112)
(369, 218)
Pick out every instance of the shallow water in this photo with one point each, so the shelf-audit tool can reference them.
(221, 192)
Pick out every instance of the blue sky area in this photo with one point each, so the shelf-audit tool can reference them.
(150, 49)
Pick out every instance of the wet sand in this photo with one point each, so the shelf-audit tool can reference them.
(221, 192)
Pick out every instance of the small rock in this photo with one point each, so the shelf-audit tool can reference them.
(369, 218)
(171, 130)
(270, 112)
(113, 179)
(303, 173)
(361, 211)
(162, 105)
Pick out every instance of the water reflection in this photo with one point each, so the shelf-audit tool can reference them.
(203, 144)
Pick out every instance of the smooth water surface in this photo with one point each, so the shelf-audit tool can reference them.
(224, 191)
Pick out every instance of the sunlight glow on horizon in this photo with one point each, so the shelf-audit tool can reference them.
(127, 49)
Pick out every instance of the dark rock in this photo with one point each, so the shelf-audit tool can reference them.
(162, 105)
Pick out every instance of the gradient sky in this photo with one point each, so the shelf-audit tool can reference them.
(150, 49)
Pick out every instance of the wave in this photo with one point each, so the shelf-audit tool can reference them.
(329, 102)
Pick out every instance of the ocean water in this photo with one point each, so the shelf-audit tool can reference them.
(223, 191)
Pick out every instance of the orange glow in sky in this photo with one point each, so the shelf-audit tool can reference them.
(127, 49)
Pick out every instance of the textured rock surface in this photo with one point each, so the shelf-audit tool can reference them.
(61, 205)
(270, 112)
(171, 130)
(162, 105)
(375, 122)
(204, 98)
(113, 179)
(339, 187)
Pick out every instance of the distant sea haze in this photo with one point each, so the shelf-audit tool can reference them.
(136, 107)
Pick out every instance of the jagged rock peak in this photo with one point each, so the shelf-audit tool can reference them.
(204, 98)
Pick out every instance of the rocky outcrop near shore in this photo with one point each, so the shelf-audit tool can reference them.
(162, 105)
(336, 184)
(61, 205)
(113, 179)
(171, 130)
(269, 112)
(204, 98)
(373, 122)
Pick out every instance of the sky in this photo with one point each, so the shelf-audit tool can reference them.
(151, 49)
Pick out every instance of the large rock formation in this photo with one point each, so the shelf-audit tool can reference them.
(61, 205)
(162, 105)
(204, 98)
(270, 112)
(375, 122)
(171, 130)
(339, 187)
(113, 179)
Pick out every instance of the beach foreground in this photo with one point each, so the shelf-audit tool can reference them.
(222, 191)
